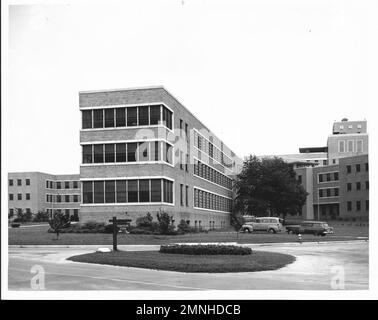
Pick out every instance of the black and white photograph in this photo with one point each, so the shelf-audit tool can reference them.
(188, 149)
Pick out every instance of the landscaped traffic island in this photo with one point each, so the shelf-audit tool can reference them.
(218, 259)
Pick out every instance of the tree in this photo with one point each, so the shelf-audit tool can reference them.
(268, 186)
(58, 222)
(41, 216)
(165, 223)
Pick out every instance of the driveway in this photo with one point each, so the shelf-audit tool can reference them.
(319, 266)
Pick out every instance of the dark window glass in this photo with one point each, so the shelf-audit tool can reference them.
(98, 121)
(121, 191)
(155, 154)
(120, 117)
(358, 167)
(75, 198)
(121, 152)
(168, 153)
(300, 179)
(66, 184)
(320, 193)
(110, 191)
(367, 205)
(186, 131)
(156, 190)
(58, 198)
(358, 205)
(328, 177)
(132, 190)
(167, 118)
(87, 191)
(11, 196)
(109, 153)
(98, 191)
(75, 184)
(154, 115)
(87, 154)
(168, 191)
(336, 191)
(131, 151)
(320, 178)
(336, 176)
(367, 185)
(366, 166)
(181, 194)
(98, 153)
(10, 182)
(86, 119)
(349, 168)
(144, 190)
(51, 185)
(27, 181)
(19, 182)
(59, 185)
(349, 186)
(143, 116)
(109, 118)
(66, 198)
(143, 151)
(187, 196)
(328, 192)
(132, 116)
(358, 186)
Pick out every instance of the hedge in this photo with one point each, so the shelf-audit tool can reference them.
(209, 249)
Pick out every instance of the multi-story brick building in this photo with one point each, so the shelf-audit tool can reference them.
(143, 151)
(37, 191)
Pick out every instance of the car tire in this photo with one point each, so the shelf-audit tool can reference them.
(290, 232)
(271, 230)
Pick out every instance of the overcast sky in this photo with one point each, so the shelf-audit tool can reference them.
(267, 77)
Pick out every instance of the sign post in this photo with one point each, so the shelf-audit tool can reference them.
(115, 229)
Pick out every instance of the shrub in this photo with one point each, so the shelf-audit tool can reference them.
(210, 249)
(144, 222)
(15, 225)
(141, 231)
(58, 222)
(41, 216)
(183, 227)
(165, 223)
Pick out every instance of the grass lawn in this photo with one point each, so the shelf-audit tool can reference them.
(39, 236)
(257, 261)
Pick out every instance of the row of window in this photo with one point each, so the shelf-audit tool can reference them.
(204, 171)
(128, 152)
(328, 177)
(350, 126)
(358, 205)
(350, 146)
(211, 201)
(127, 117)
(74, 212)
(19, 196)
(211, 150)
(328, 192)
(60, 184)
(357, 167)
(57, 198)
(19, 182)
(128, 191)
(358, 186)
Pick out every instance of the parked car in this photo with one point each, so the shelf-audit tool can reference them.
(269, 224)
(310, 227)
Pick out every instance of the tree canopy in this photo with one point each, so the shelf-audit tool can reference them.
(268, 186)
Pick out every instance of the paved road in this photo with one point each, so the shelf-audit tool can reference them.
(316, 267)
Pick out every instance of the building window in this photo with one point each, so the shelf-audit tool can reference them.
(131, 152)
(155, 151)
(98, 153)
(328, 192)
(75, 184)
(155, 190)
(187, 163)
(132, 190)
(320, 178)
(300, 179)
(349, 205)
(359, 146)
(167, 191)
(132, 116)
(167, 117)
(11, 212)
(109, 118)
(349, 168)
(367, 185)
(358, 205)
(98, 191)
(143, 151)
(144, 190)
(86, 119)
(87, 154)
(341, 146)
(27, 182)
(143, 116)
(76, 214)
(187, 196)
(109, 153)
(328, 177)
(19, 196)
(336, 176)
(186, 131)
(320, 193)
(51, 185)
(367, 205)
(121, 191)
(358, 186)
(350, 145)
(349, 186)
(181, 194)
(98, 118)
(110, 191)
(19, 182)
(358, 167)
(66, 185)
(87, 191)
(66, 198)
(28, 210)
(366, 167)
(154, 115)
(75, 198)
(336, 192)
(168, 153)
(11, 196)
(59, 185)
(10, 182)
(27, 196)
(58, 198)
(121, 152)
(120, 117)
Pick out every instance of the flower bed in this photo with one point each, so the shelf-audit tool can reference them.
(208, 249)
